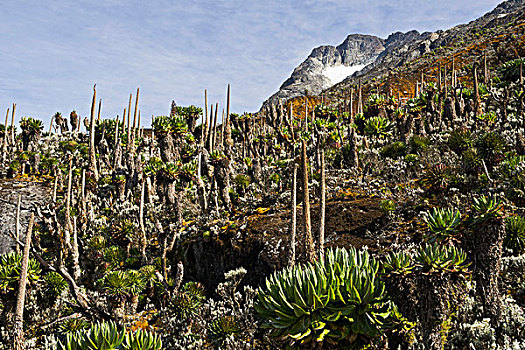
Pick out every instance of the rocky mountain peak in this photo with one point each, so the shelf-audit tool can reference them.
(328, 65)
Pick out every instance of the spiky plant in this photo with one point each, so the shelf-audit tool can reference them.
(471, 162)
(136, 281)
(442, 223)
(101, 336)
(460, 140)
(491, 147)
(55, 284)
(72, 325)
(438, 178)
(387, 205)
(394, 150)
(31, 125)
(512, 172)
(340, 300)
(141, 340)
(187, 301)
(10, 266)
(438, 258)
(398, 262)
(487, 208)
(117, 284)
(378, 126)
(515, 234)
(418, 144)
(223, 328)
(510, 70)
(162, 125)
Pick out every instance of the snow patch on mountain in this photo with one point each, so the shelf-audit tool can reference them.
(337, 74)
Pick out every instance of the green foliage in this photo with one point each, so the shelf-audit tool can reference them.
(222, 328)
(460, 140)
(437, 257)
(242, 180)
(442, 223)
(378, 126)
(103, 336)
(141, 340)
(411, 158)
(189, 111)
(471, 162)
(167, 125)
(437, 178)
(31, 125)
(387, 205)
(399, 263)
(487, 208)
(187, 301)
(217, 156)
(55, 284)
(153, 166)
(512, 172)
(394, 150)
(510, 70)
(418, 144)
(417, 104)
(490, 117)
(72, 325)
(339, 300)
(10, 267)
(121, 284)
(491, 146)
(325, 112)
(515, 234)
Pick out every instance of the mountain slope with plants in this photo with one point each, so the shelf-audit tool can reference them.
(372, 220)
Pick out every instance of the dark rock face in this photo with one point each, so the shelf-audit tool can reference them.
(356, 51)
(261, 245)
(33, 195)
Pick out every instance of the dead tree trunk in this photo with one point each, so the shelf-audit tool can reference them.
(18, 326)
(310, 248)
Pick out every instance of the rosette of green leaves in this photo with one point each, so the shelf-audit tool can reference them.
(338, 300)
(222, 328)
(10, 267)
(437, 257)
(442, 223)
(398, 263)
(55, 284)
(512, 172)
(378, 126)
(102, 335)
(487, 208)
(141, 340)
(515, 234)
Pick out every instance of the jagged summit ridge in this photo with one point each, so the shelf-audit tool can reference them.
(328, 65)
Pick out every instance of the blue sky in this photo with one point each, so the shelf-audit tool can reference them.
(52, 52)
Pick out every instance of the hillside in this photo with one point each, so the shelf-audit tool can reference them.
(387, 212)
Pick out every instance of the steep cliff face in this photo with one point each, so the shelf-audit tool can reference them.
(328, 65)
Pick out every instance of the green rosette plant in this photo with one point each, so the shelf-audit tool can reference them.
(442, 223)
(340, 300)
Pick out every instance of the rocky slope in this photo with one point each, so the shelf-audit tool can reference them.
(496, 35)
